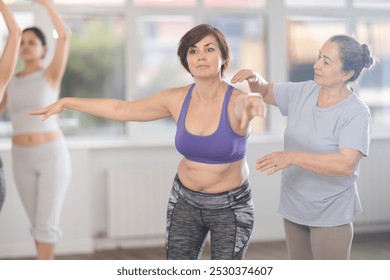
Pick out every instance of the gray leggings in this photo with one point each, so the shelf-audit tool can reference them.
(191, 215)
(318, 243)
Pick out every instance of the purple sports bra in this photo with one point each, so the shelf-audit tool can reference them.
(222, 146)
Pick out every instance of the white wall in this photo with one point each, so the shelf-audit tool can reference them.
(84, 220)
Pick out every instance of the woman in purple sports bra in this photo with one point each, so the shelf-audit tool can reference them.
(210, 192)
(7, 67)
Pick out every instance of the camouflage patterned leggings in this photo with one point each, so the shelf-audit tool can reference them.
(228, 216)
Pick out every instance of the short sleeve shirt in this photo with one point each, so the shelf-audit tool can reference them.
(311, 198)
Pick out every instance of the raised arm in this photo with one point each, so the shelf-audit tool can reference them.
(56, 69)
(257, 84)
(11, 49)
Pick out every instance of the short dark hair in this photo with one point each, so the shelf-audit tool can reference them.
(196, 34)
(353, 55)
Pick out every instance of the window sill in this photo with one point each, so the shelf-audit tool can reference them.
(123, 142)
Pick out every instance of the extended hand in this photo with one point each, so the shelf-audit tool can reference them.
(254, 106)
(274, 162)
(55, 108)
(245, 74)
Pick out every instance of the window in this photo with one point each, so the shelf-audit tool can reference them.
(158, 66)
(234, 3)
(95, 70)
(305, 37)
(315, 3)
(372, 3)
(374, 85)
(165, 3)
(91, 2)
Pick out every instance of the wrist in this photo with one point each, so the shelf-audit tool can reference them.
(255, 78)
(294, 156)
(65, 102)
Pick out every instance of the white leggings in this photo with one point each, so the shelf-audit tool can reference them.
(318, 243)
(42, 175)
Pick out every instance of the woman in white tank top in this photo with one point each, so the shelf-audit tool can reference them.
(7, 67)
(41, 162)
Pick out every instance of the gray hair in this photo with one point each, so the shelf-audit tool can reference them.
(353, 55)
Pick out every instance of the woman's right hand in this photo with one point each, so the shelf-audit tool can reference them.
(55, 108)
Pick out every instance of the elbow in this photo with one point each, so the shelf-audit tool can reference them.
(16, 33)
(347, 170)
(64, 36)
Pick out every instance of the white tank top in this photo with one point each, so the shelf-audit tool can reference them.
(29, 93)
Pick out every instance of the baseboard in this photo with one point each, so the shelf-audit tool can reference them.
(126, 243)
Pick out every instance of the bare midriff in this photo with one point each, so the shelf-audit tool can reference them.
(212, 178)
(32, 139)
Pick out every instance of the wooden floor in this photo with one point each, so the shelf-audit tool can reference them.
(374, 246)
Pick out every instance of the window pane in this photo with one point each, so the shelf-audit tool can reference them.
(158, 65)
(91, 2)
(315, 3)
(95, 69)
(246, 36)
(235, 3)
(374, 85)
(165, 3)
(305, 38)
(372, 3)
(14, 1)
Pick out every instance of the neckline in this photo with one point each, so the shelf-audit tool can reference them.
(337, 105)
(34, 73)
(224, 104)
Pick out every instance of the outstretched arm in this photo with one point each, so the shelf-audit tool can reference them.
(257, 84)
(11, 49)
(147, 109)
(343, 163)
(56, 69)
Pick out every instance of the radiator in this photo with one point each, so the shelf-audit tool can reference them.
(137, 200)
(374, 191)
(138, 195)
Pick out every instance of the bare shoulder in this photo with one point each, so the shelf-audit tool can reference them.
(174, 94)
(173, 98)
(238, 96)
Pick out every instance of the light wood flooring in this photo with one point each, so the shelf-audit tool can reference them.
(373, 246)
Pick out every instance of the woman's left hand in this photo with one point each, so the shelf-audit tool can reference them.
(274, 162)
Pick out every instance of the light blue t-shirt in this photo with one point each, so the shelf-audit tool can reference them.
(307, 197)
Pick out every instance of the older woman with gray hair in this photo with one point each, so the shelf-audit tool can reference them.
(327, 134)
